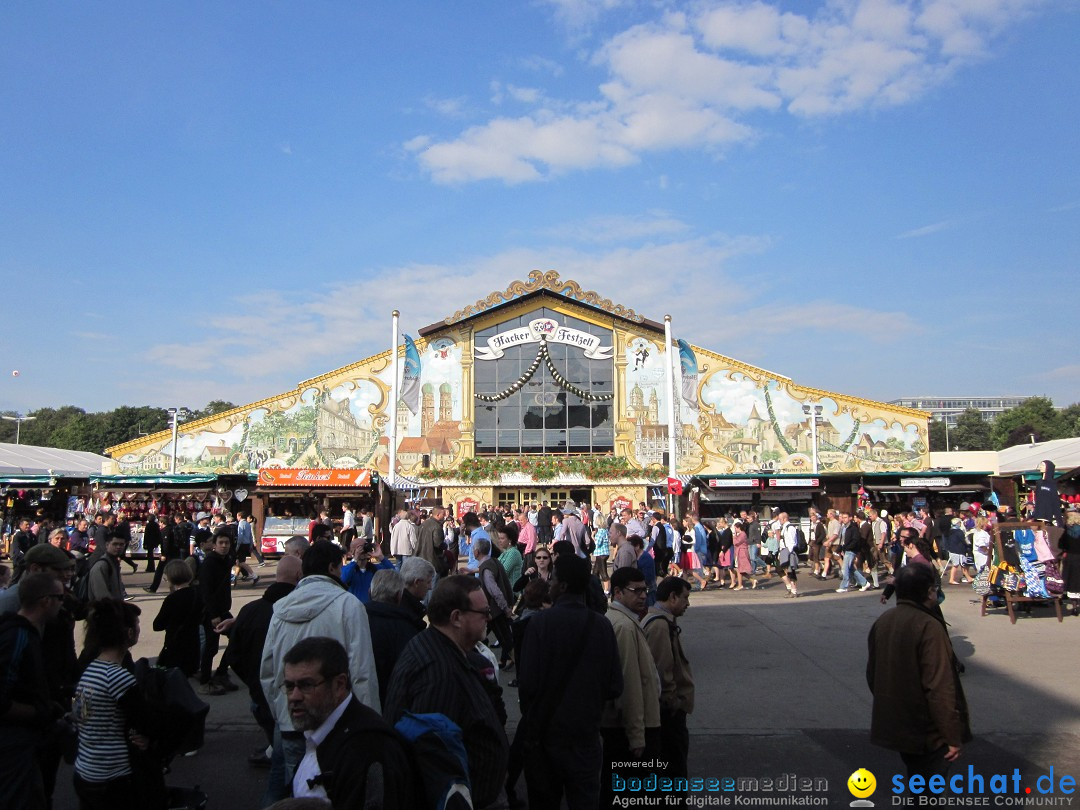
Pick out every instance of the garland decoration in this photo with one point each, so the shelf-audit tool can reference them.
(560, 380)
(776, 425)
(548, 468)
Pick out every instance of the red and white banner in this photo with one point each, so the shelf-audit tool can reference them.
(307, 477)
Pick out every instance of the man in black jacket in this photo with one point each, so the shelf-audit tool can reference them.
(569, 667)
(851, 545)
(215, 587)
(246, 633)
(392, 625)
(359, 760)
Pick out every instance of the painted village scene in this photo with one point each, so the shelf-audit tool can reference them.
(729, 418)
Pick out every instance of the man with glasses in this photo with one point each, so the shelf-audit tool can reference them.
(630, 724)
(434, 674)
(318, 606)
(352, 757)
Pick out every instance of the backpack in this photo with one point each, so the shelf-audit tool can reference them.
(800, 541)
(436, 747)
(589, 546)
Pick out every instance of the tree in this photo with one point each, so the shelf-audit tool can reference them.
(213, 407)
(972, 432)
(938, 440)
(1035, 417)
(1070, 421)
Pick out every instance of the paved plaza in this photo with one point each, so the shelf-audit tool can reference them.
(781, 696)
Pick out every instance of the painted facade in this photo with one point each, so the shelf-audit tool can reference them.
(546, 368)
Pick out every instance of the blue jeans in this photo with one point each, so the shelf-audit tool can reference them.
(848, 569)
(755, 560)
(285, 759)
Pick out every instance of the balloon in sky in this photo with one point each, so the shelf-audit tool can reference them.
(15, 373)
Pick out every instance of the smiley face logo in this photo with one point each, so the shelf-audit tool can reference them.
(861, 783)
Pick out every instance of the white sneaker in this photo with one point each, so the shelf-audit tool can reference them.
(841, 590)
(866, 587)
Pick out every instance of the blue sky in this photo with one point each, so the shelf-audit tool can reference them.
(216, 201)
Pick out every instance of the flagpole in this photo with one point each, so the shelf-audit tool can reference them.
(670, 376)
(395, 384)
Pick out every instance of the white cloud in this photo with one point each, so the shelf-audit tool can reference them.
(274, 339)
(688, 80)
(927, 230)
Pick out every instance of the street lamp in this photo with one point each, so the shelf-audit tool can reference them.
(18, 420)
(174, 416)
(814, 412)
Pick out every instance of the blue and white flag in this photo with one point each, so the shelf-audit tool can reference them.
(410, 378)
(689, 368)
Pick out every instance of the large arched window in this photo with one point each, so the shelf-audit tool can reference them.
(544, 415)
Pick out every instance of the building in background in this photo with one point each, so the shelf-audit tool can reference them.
(950, 408)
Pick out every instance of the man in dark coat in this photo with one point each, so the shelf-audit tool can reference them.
(358, 760)
(246, 633)
(919, 706)
(569, 668)
(392, 625)
(215, 587)
(433, 674)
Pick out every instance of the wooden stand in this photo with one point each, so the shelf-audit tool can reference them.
(1013, 599)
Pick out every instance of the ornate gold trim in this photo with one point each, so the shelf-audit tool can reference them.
(539, 280)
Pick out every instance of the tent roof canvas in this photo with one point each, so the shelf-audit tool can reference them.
(27, 459)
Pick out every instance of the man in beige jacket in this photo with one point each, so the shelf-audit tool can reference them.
(676, 677)
(630, 725)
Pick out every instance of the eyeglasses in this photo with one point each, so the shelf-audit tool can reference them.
(642, 589)
(484, 612)
(305, 687)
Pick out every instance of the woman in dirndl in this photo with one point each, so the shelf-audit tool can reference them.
(741, 550)
(690, 560)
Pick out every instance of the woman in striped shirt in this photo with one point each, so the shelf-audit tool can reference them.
(108, 708)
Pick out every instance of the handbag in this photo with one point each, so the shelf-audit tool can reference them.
(1055, 583)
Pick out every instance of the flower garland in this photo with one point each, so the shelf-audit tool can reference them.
(560, 380)
(547, 468)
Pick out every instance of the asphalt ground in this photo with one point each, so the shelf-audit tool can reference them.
(781, 695)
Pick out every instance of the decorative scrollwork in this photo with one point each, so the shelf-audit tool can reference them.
(545, 281)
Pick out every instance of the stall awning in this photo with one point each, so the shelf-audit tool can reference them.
(313, 477)
(151, 480)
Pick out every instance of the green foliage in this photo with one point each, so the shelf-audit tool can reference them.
(972, 432)
(938, 440)
(1032, 417)
(548, 468)
(72, 428)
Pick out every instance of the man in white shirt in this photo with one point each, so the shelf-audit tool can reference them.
(348, 525)
(787, 561)
(351, 756)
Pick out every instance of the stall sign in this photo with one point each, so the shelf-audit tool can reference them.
(467, 505)
(306, 477)
(619, 503)
(924, 483)
(716, 483)
(793, 482)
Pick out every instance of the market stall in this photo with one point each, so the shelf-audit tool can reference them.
(1023, 572)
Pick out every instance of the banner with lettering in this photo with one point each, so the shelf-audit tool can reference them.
(543, 329)
(306, 477)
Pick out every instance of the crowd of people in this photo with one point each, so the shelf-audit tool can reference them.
(354, 640)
